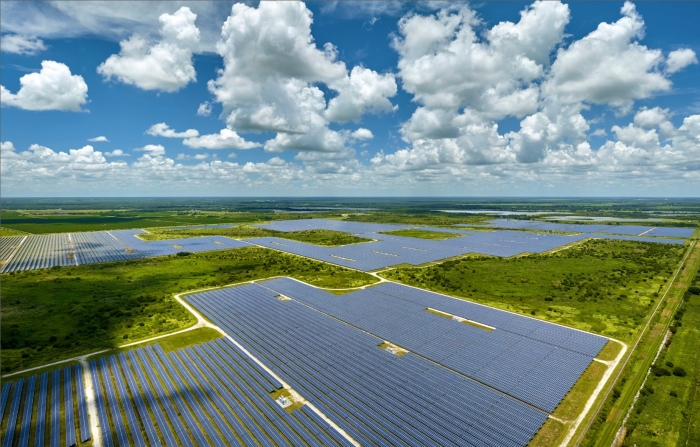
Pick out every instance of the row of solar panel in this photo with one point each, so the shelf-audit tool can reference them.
(377, 397)
(513, 356)
(208, 394)
(31, 403)
(45, 251)
(394, 250)
(635, 230)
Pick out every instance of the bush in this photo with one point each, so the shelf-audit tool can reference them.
(679, 372)
(695, 290)
(659, 371)
(183, 253)
(669, 364)
(673, 394)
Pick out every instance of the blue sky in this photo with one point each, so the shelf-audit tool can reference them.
(353, 99)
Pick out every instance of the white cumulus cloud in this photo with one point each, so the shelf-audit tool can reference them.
(100, 139)
(225, 139)
(608, 66)
(154, 150)
(166, 65)
(204, 109)
(52, 88)
(680, 59)
(163, 130)
(116, 153)
(19, 44)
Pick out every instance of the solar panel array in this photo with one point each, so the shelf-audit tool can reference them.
(335, 225)
(207, 394)
(52, 408)
(391, 250)
(535, 361)
(634, 230)
(377, 397)
(46, 251)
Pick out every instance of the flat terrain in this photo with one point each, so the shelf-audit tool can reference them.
(327, 238)
(59, 313)
(668, 411)
(423, 234)
(42, 222)
(603, 286)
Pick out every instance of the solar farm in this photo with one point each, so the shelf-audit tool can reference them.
(384, 364)
(46, 251)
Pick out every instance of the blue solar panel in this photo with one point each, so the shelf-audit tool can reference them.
(3, 400)
(39, 434)
(176, 396)
(116, 416)
(370, 393)
(125, 403)
(14, 412)
(162, 396)
(82, 404)
(27, 414)
(68, 407)
(55, 408)
(106, 433)
(141, 406)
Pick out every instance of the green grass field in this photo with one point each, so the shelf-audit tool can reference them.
(42, 222)
(4, 231)
(603, 286)
(318, 237)
(48, 315)
(668, 412)
(423, 234)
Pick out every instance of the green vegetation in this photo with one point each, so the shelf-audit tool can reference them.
(668, 412)
(602, 424)
(60, 221)
(4, 231)
(53, 314)
(603, 286)
(318, 237)
(423, 234)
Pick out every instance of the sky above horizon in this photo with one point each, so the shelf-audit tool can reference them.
(350, 99)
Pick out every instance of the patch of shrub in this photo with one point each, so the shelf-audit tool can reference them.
(673, 394)
(695, 290)
(679, 372)
(659, 371)
(183, 253)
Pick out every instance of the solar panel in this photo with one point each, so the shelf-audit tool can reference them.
(68, 407)
(82, 404)
(14, 411)
(27, 414)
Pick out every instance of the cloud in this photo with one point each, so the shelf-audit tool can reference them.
(154, 150)
(608, 66)
(167, 65)
(204, 109)
(163, 130)
(52, 88)
(225, 139)
(19, 44)
(190, 157)
(99, 139)
(113, 21)
(362, 134)
(679, 59)
(363, 91)
(116, 153)
(271, 77)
